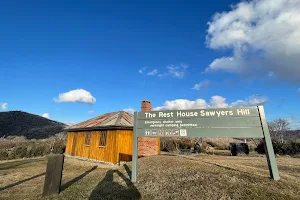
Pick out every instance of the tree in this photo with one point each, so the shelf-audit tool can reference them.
(277, 128)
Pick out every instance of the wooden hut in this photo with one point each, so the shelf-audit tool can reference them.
(109, 138)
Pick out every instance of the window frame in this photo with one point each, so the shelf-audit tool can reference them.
(86, 134)
(102, 132)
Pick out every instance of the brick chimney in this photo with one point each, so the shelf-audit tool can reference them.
(146, 106)
(148, 146)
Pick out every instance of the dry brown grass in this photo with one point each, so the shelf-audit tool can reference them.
(160, 177)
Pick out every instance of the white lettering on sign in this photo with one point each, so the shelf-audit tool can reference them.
(204, 113)
(186, 114)
(150, 115)
(201, 113)
(161, 114)
(243, 111)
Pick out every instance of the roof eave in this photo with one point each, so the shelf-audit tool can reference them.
(99, 128)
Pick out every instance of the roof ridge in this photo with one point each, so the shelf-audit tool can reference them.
(121, 113)
(117, 118)
(108, 118)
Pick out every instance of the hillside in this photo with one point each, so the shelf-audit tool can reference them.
(18, 123)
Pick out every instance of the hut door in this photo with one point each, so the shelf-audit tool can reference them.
(74, 144)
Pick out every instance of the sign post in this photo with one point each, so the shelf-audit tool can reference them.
(247, 122)
(134, 150)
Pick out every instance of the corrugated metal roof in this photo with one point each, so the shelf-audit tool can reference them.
(120, 118)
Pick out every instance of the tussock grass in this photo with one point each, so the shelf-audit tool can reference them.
(160, 177)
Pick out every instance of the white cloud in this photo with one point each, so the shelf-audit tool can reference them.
(69, 123)
(263, 36)
(182, 104)
(91, 111)
(153, 72)
(253, 100)
(218, 102)
(202, 84)
(46, 115)
(142, 70)
(290, 119)
(215, 102)
(3, 106)
(177, 71)
(296, 126)
(79, 95)
(130, 110)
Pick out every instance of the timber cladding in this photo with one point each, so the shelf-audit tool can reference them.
(112, 147)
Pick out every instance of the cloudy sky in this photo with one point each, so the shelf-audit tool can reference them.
(73, 61)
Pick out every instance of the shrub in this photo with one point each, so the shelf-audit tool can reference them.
(197, 148)
(3, 154)
(17, 152)
(168, 146)
(37, 150)
(281, 148)
(59, 148)
(212, 144)
(185, 144)
(260, 148)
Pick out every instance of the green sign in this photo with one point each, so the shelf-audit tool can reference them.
(205, 123)
(227, 122)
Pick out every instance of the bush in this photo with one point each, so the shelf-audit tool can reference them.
(168, 146)
(218, 146)
(185, 144)
(281, 148)
(37, 150)
(17, 152)
(212, 144)
(59, 148)
(3, 154)
(197, 148)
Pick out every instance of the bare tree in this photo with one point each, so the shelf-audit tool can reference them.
(278, 128)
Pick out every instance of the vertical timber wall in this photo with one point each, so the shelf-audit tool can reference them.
(148, 146)
(93, 151)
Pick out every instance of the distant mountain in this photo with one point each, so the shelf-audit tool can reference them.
(18, 123)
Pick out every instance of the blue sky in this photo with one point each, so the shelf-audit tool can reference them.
(108, 56)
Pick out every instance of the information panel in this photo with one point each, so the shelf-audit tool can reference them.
(229, 122)
(220, 122)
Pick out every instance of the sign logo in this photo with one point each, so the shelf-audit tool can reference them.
(160, 132)
(168, 132)
(147, 132)
(154, 132)
(183, 132)
(176, 132)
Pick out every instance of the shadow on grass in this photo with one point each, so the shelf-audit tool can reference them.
(69, 183)
(15, 164)
(128, 171)
(108, 189)
(20, 182)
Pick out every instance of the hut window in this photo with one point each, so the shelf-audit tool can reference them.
(87, 138)
(103, 136)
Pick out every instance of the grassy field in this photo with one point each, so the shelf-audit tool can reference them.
(160, 177)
